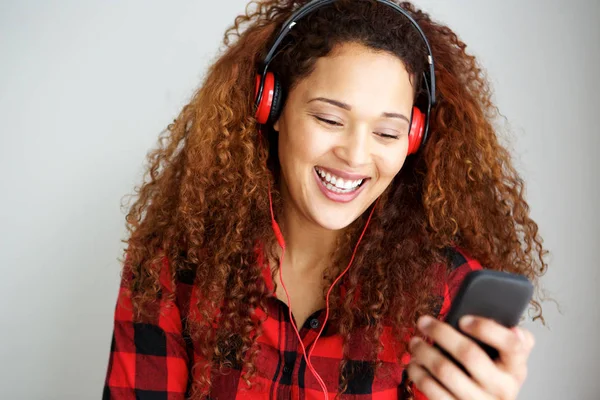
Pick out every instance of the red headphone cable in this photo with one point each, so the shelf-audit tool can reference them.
(281, 242)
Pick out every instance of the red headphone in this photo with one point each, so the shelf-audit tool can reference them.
(269, 97)
(271, 101)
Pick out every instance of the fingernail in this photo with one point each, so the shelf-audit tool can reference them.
(424, 322)
(467, 321)
(413, 342)
(519, 334)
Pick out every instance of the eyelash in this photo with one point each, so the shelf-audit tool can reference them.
(334, 123)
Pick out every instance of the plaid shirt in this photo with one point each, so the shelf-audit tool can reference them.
(151, 361)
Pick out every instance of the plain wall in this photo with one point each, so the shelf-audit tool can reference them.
(86, 87)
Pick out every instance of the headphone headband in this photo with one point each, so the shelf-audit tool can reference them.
(316, 4)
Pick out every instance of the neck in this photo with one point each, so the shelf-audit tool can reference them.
(308, 246)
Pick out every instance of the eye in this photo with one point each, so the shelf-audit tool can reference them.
(328, 121)
(387, 136)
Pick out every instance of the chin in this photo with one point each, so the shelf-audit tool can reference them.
(334, 222)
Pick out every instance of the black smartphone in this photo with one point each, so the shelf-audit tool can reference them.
(500, 296)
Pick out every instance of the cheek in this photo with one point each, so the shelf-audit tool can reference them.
(388, 167)
(304, 144)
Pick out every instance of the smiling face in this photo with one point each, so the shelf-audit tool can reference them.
(343, 134)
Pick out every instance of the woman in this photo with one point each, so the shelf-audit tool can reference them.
(319, 206)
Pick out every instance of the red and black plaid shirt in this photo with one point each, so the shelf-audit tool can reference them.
(152, 361)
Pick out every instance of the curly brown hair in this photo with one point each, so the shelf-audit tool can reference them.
(205, 205)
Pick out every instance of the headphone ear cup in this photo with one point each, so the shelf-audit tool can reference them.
(264, 107)
(415, 135)
(277, 103)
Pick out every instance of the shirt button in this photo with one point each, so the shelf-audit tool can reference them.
(286, 369)
(314, 323)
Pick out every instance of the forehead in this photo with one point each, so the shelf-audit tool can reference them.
(360, 76)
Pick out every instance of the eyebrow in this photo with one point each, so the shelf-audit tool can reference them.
(348, 107)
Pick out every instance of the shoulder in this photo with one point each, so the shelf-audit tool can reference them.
(459, 264)
(169, 280)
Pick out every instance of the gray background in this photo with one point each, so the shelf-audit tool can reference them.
(85, 88)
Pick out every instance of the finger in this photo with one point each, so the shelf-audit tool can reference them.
(529, 338)
(446, 372)
(468, 353)
(426, 384)
(510, 343)
(511, 346)
(520, 372)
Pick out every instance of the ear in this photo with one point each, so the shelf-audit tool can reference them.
(276, 125)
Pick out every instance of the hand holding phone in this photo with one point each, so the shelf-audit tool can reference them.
(500, 296)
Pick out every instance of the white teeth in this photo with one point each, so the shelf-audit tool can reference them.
(337, 184)
(335, 189)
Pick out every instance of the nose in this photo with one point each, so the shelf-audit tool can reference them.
(354, 147)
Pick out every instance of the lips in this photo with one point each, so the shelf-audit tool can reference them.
(343, 174)
(336, 196)
(336, 183)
